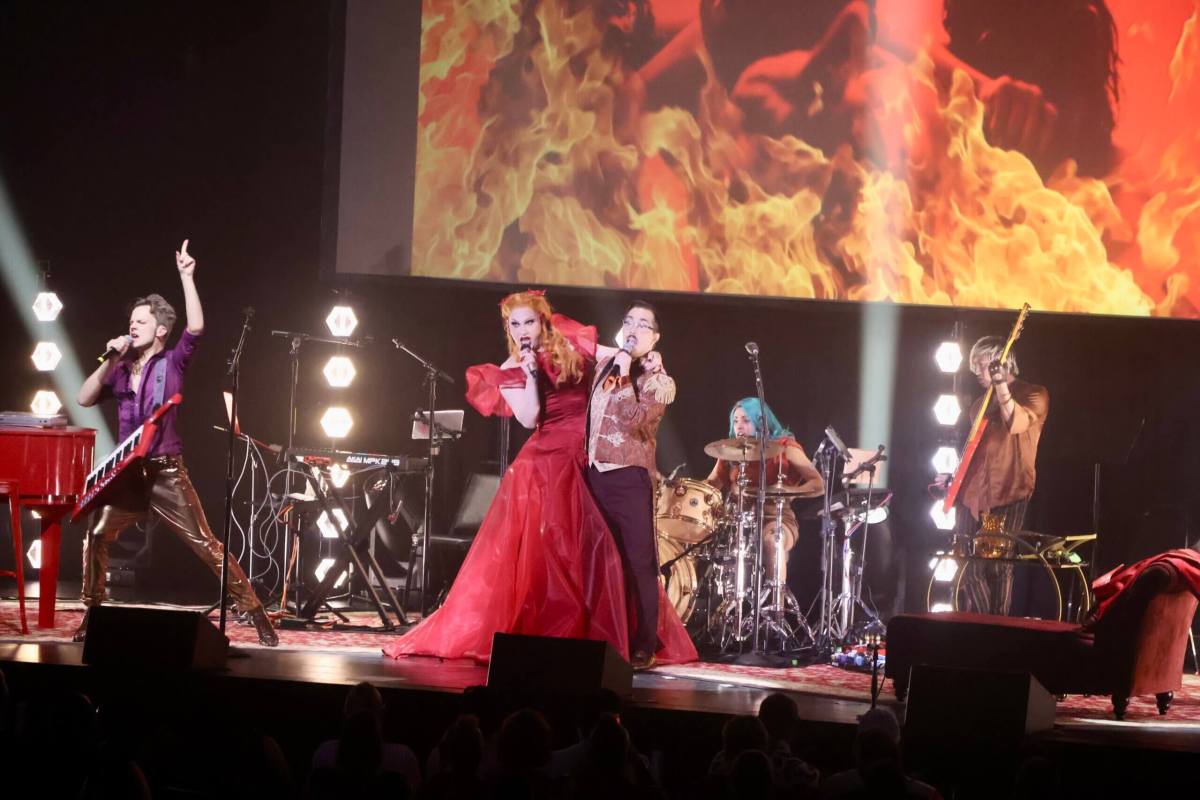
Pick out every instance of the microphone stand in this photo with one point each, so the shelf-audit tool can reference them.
(235, 364)
(432, 375)
(756, 656)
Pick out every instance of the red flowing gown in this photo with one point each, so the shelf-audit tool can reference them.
(543, 561)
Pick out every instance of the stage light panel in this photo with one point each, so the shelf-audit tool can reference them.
(336, 422)
(323, 568)
(941, 608)
(46, 356)
(342, 321)
(944, 520)
(338, 474)
(326, 525)
(45, 403)
(339, 372)
(34, 554)
(945, 460)
(46, 306)
(948, 356)
(944, 569)
(946, 410)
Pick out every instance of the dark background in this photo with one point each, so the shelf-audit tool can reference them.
(129, 127)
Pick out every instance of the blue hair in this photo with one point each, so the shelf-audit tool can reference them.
(750, 405)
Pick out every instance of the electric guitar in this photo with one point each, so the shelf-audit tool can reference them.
(980, 423)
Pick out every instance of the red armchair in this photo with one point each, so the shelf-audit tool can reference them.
(1136, 647)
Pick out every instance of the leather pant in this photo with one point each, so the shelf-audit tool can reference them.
(163, 489)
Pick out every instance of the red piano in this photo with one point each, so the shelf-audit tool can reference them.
(43, 469)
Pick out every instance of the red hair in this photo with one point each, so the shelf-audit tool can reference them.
(568, 364)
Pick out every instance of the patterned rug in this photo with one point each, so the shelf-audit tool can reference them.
(322, 636)
(818, 679)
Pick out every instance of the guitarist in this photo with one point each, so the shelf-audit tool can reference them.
(139, 370)
(1000, 478)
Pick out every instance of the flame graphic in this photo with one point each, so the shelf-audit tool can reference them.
(535, 166)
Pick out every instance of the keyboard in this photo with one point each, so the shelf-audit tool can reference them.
(320, 456)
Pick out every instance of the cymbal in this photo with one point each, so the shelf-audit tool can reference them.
(776, 490)
(740, 449)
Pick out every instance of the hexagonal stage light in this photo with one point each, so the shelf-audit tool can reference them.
(326, 525)
(46, 356)
(45, 403)
(945, 460)
(46, 306)
(339, 372)
(944, 520)
(338, 474)
(948, 356)
(323, 568)
(342, 321)
(34, 554)
(947, 409)
(336, 422)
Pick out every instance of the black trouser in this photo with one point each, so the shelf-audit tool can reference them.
(626, 499)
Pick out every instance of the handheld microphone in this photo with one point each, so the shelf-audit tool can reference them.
(752, 349)
(526, 347)
(248, 312)
(112, 351)
(630, 343)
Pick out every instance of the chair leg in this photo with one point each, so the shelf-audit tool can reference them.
(1164, 701)
(18, 557)
(1120, 704)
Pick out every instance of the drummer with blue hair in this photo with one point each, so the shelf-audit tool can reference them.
(791, 467)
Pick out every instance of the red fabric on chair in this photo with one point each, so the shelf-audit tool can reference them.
(11, 489)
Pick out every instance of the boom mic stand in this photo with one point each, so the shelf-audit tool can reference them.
(432, 376)
(235, 364)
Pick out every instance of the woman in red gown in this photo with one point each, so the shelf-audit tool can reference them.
(543, 562)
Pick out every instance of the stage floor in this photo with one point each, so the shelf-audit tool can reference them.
(825, 695)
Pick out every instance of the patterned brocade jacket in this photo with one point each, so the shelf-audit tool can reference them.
(628, 429)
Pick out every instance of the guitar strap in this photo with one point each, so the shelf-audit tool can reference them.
(160, 381)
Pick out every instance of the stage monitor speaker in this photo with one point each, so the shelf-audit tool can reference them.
(557, 666)
(124, 636)
(968, 709)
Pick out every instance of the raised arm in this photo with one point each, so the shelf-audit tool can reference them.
(524, 401)
(191, 298)
(93, 385)
(802, 467)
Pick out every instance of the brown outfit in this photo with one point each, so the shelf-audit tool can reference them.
(166, 491)
(1002, 469)
(625, 430)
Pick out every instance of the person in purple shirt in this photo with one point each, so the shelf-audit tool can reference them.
(136, 363)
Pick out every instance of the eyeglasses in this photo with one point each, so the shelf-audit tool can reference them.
(639, 324)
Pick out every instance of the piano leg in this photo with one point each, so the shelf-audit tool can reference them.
(48, 577)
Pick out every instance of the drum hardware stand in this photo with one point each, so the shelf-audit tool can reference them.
(850, 598)
(830, 450)
(664, 569)
(432, 376)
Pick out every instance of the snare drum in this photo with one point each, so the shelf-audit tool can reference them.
(688, 510)
(681, 588)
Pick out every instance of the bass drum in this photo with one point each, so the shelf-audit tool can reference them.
(681, 586)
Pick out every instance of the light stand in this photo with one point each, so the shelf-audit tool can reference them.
(432, 375)
(291, 538)
(235, 362)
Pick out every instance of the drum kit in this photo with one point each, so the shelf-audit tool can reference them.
(707, 554)
(709, 557)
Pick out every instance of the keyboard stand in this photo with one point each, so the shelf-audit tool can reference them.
(355, 548)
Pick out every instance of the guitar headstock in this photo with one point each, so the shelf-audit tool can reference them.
(1017, 329)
